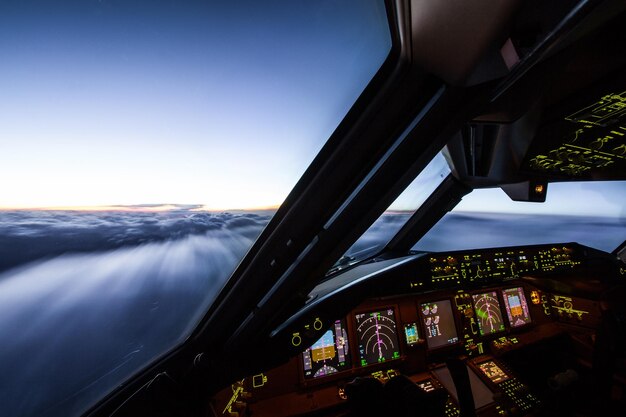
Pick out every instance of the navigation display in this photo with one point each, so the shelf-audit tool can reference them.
(439, 323)
(488, 313)
(377, 336)
(516, 306)
(329, 354)
(493, 372)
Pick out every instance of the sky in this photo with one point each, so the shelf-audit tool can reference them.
(577, 198)
(222, 104)
(591, 198)
(422, 186)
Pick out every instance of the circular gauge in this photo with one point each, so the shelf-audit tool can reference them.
(488, 313)
(324, 370)
(377, 337)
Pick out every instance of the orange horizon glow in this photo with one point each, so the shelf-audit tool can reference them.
(263, 208)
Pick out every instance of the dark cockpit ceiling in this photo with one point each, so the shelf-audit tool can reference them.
(520, 94)
(563, 121)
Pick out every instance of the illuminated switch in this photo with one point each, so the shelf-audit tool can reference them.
(535, 297)
(317, 324)
(342, 394)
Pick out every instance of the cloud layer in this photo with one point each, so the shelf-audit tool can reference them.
(27, 236)
(127, 288)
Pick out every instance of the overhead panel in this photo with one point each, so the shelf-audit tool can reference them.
(587, 142)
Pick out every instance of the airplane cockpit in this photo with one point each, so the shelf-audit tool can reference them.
(350, 303)
(323, 319)
(529, 330)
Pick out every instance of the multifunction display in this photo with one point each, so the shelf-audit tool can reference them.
(329, 354)
(439, 323)
(488, 313)
(377, 336)
(516, 306)
(411, 334)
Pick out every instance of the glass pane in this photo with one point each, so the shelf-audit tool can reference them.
(392, 220)
(172, 130)
(590, 213)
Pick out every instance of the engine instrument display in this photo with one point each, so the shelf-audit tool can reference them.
(329, 354)
(488, 313)
(377, 336)
(439, 323)
(493, 372)
(516, 306)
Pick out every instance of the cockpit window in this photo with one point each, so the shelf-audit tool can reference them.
(145, 145)
(390, 222)
(590, 213)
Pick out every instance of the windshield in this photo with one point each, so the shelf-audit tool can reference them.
(389, 223)
(145, 144)
(590, 213)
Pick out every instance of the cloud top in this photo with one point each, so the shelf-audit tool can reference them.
(27, 236)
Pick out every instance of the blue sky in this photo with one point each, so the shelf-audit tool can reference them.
(221, 104)
(215, 103)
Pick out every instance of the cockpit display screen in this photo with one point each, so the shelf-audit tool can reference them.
(411, 334)
(329, 354)
(516, 306)
(377, 336)
(439, 323)
(493, 372)
(488, 313)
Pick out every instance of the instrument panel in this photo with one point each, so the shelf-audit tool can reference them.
(411, 335)
(492, 265)
(463, 321)
(413, 332)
